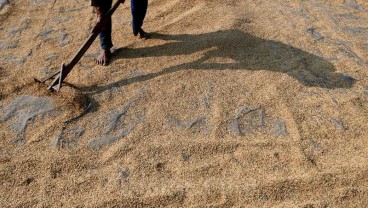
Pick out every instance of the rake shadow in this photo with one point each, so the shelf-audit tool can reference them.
(245, 51)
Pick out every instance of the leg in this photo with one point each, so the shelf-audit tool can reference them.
(106, 44)
(105, 36)
(139, 10)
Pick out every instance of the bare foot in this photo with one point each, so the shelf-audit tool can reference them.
(143, 34)
(104, 58)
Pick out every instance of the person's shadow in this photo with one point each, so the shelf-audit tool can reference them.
(241, 51)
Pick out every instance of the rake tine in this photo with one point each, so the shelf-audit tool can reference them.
(43, 80)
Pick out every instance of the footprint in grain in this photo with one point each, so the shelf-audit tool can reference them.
(251, 120)
(117, 124)
(22, 111)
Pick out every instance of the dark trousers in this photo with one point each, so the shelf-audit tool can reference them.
(139, 10)
(105, 34)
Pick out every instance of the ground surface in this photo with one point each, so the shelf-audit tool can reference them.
(231, 103)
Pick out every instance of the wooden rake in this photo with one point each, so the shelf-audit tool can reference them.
(59, 76)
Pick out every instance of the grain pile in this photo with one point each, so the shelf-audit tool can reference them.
(230, 103)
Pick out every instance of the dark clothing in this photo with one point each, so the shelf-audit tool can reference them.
(100, 3)
(105, 34)
(139, 10)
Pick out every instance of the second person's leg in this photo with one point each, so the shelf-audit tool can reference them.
(139, 10)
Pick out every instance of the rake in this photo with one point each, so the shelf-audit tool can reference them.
(59, 76)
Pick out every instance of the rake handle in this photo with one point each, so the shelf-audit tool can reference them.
(67, 68)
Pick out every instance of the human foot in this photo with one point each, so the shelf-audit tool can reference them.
(104, 58)
(143, 34)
